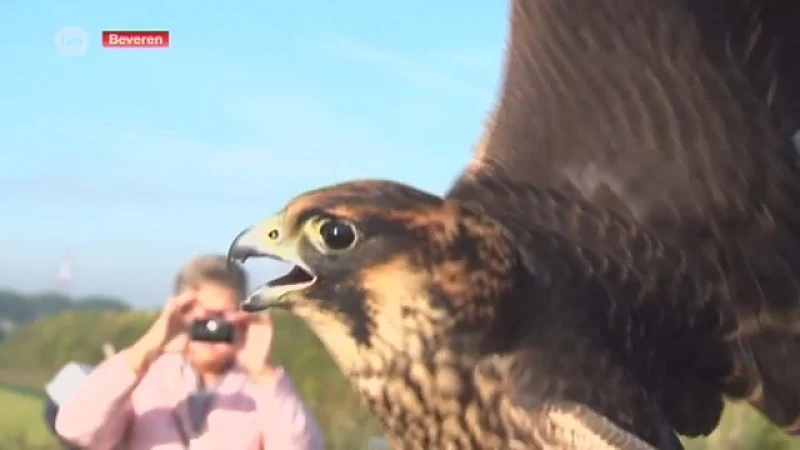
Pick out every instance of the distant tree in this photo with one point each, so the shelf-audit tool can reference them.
(47, 303)
(16, 307)
(101, 302)
(22, 309)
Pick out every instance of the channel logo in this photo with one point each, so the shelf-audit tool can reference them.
(72, 41)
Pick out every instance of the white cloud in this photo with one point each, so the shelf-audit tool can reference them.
(411, 68)
(484, 60)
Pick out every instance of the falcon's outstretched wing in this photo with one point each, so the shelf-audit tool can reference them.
(543, 407)
(632, 114)
(762, 38)
(619, 103)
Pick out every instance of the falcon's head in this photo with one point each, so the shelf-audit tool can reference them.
(380, 268)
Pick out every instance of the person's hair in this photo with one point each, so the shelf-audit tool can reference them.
(212, 269)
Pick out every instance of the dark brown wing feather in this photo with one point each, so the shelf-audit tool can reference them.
(761, 37)
(625, 107)
(548, 410)
(655, 310)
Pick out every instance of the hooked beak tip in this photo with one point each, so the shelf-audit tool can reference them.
(240, 254)
(254, 303)
(239, 250)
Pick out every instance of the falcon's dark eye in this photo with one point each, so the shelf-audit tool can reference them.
(337, 234)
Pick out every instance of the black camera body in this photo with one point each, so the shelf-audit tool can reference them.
(213, 329)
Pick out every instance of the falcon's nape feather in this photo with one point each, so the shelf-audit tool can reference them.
(621, 253)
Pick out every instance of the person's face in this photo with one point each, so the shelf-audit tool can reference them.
(213, 299)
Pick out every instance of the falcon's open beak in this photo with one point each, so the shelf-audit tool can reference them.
(270, 240)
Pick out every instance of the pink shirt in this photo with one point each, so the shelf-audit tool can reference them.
(109, 408)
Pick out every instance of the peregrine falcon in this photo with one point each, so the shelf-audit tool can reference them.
(621, 253)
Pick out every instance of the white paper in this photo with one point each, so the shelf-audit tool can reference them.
(67, 381)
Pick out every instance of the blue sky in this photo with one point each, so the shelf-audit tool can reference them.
(135, 160)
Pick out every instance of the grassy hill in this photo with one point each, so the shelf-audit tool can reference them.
(21, 423)
(54, 340)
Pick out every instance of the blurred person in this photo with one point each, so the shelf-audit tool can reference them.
(167, 391)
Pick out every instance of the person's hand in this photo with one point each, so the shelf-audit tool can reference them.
(167, 334)
(169, 331)
(254, 353)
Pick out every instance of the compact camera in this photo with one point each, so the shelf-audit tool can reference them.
(213, 329)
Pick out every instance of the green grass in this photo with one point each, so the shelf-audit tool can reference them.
(22, 421)
(29, 380)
